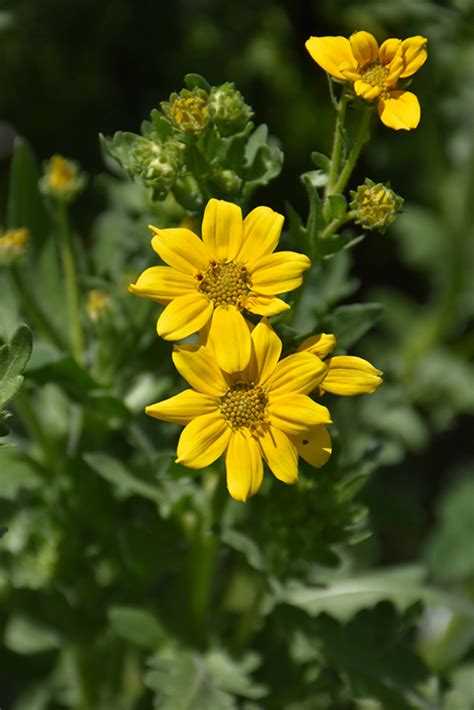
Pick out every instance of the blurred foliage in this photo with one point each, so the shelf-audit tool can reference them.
(314, 604)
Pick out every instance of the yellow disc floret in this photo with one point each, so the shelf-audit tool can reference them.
(244, 405)
(224, 283)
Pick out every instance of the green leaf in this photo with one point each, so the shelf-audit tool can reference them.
(47, 365)
(196, 81)
(160, 126)
(13, 359)
(16, 473)
(137, 625)
(350, 323)
(321, 161)
(371, 651)
(192, 681)
(25, 206)
(26, 636)
(244, 544)
(119, 475)
(343, 598)
(338, 205)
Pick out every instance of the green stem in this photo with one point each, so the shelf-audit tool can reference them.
(338, 141)
(204, 552)
(70, 277)
(361, 138)
(246, 627)
(333, 226)
(33, 312)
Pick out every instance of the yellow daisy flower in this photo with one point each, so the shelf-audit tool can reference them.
(262, 413)
(213, 279)
(375, 72)
(346, 375)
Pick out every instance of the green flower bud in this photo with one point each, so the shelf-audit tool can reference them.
(375, 205)
(225, 183)
(13, 245)
(157, 165)
(62, 179)
(187, 110)
(228, 110)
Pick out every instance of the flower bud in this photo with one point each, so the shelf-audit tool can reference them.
(225, 183)
(375, 205)
(62, 179)
(228, 110)
(188, 110)
(13, 245)
(156, 164)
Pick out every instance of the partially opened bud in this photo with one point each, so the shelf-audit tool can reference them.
(375, 205)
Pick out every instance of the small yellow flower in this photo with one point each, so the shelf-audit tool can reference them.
(13, 245)
(62, 179)
(262, 413)
(376, 73)
(210, 281)
(346, 375)
(97, 305)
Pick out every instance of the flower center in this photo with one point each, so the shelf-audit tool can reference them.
(374, 74)
(244, 405)
(190, 113)
(224, 283)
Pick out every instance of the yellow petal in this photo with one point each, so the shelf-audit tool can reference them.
(230, 338)
(314, 445)
(265, 305)
(203, 440)
(366, 91)
(414, 54)
(299, 373)
(183, 407)
(200, 369)
(244, 466)
(162, 284)
(280, 454)
(330, 53)
(181, 249)
(349, 375)
(295, 413)
(183, 316)
(262, 229)
(364, 47)
(320, 345)
(222, 230)
(389, 49)
(266, 351)
(279, 272)
(400, 111)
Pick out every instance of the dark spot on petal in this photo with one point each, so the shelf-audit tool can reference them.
(305, 441)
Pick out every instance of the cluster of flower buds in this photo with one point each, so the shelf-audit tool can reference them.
(375, 205)
(158, 158)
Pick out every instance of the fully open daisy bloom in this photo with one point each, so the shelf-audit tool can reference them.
(262, 413)
(213, 279)
(376, 73)
(346, 375)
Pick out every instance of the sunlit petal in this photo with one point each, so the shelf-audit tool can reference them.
(280, 454)
(203, 440)
(400, 111)
(180, 248)
(314, 445)
(349, 375)
(279, 272)
(364, 47)
(299, 373)
(183, 316)
(244, 466)
(222, 230)
(162, 284)
(293, 413)
(262, 229)
(183, 407)
(230, 337)
(414, 54)
(200, 369)
(330, 53)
